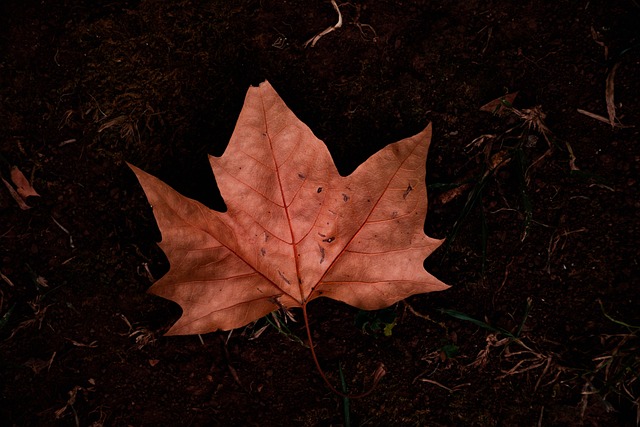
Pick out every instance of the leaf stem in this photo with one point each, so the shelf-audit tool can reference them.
(378, 374)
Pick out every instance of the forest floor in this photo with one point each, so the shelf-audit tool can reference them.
(539, 205)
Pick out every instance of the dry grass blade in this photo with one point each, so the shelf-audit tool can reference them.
(602, 118)
(593, 115)
(6, 279)
(611, 106)
(610, 101)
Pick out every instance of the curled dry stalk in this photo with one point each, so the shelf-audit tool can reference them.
(278, 322)
(313, 40)
(356, 21)
(377, 375)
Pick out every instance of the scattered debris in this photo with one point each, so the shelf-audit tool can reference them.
(73, 394)
(39, 311)
(553, 244)
(141, 335)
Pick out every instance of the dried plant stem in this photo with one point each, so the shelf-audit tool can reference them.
(379, 373)
(313, 40)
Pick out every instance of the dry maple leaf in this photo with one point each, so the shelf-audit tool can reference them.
(295, 230)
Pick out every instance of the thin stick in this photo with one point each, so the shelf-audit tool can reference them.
(540, 417)
(66, 231)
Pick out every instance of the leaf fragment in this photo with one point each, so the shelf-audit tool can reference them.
(23, 186)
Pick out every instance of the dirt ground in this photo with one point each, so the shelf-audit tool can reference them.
(540, 326)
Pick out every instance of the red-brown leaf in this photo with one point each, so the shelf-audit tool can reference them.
(295, 229)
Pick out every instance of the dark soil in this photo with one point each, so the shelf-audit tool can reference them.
(86, 86)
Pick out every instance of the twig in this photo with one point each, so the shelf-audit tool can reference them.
(313, 40)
